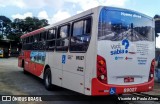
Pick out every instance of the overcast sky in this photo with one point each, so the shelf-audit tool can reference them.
(56, 10)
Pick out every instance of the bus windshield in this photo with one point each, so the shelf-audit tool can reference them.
(116, 25)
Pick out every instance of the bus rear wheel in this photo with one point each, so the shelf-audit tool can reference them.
(48, 79)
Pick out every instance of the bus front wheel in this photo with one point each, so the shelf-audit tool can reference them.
(48, 79)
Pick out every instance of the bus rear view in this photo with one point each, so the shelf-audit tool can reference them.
(125, 52)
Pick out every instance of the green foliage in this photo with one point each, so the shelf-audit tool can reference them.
(19, 27)
(5, 19)
(34, 23)
(5, 25)
(15, 37)
(156, 16)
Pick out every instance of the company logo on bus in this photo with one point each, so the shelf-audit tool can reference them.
(118, 58)
(120, 48)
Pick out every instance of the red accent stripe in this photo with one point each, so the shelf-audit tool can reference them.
(32, 67)
(99, 88)
(33, 33)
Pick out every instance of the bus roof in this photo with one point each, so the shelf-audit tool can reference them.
(77, 16)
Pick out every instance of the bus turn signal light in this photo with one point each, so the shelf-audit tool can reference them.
(101, 62)
(151, 73)
(101, 69)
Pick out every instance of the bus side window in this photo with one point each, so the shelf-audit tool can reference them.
(30, 42)
(31, 39)
(23, 43)
(27, 45)
(42, 43)
(43, 36)
(62, 38)
(51, 36)
(35, 42)
(39, 38)
(36, 38)
(27, 40)
(81, 34)
(87, 26)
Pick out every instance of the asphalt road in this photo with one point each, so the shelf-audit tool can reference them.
(14, 82)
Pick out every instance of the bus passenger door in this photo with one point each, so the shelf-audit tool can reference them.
(73, 71)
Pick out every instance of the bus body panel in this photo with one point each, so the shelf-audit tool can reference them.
(71, 60)
(21, 61)
(73, 73)
(39, 70)
(32, 67)
(91, 54)
(27, 61)
(35, 62)
(54, 62)
(126, 56)
(73, 81)
(126, 65)
(56, 76)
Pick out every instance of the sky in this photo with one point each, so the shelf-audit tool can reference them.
(56, 10)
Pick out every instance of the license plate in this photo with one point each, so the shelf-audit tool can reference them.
(128, 79)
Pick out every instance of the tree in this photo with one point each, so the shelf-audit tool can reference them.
(44, 22)
(5, 25)
(156, 16)
(22, 26)
(34, 23)
(16, 30)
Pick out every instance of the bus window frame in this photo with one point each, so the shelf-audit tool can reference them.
(67, 37)
(41, 35)
(85, 18)
(53, 39)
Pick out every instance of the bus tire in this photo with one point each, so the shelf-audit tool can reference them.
(48, 79)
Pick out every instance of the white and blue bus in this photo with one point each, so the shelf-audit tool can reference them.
(102, 51)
